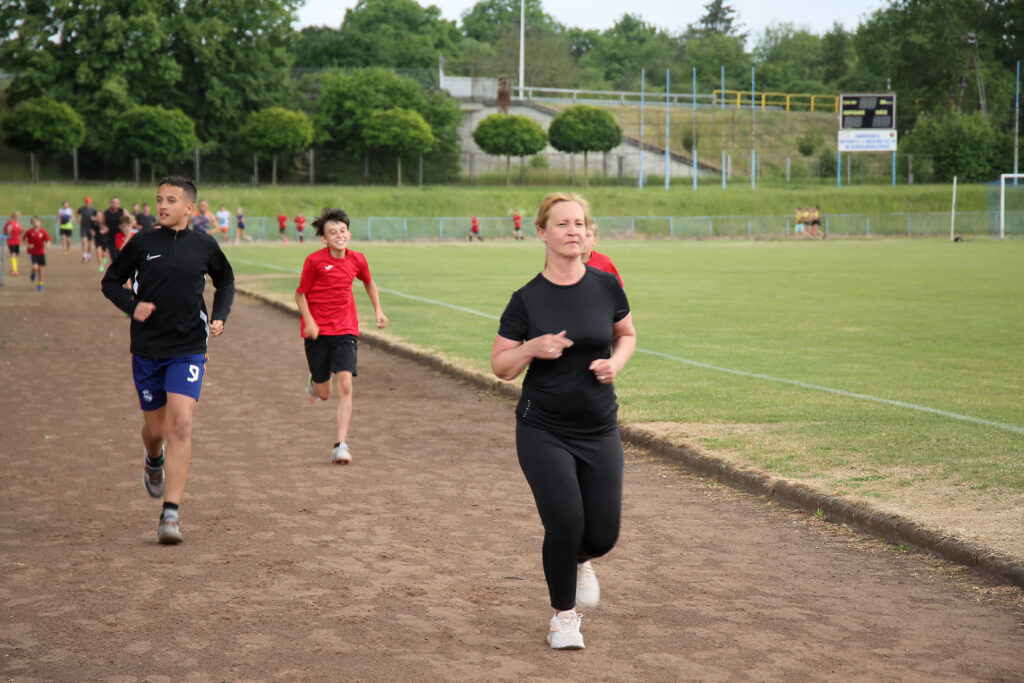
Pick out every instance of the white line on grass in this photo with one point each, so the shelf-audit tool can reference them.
(742, 373)
(840, 392)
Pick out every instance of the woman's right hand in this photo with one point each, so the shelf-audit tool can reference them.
(550, 346)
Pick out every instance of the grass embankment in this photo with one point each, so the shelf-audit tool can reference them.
(741, 340)
(45, 199)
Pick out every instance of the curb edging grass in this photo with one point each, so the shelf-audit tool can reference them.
(892, 528)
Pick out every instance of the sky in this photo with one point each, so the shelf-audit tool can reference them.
(674, 16)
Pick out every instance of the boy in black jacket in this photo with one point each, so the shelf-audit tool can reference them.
(169, 331)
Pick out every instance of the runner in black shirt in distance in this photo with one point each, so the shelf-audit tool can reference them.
(571, 326)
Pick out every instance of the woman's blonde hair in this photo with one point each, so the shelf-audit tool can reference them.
(544, 212)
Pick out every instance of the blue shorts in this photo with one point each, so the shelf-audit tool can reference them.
(154, 378)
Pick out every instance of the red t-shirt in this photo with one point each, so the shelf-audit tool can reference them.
(518, 220)
(327, 283)
(602, 262)
(13, 231)
(475, 225)
(282, 221)
(300, 223)
(120, 238)
(37, 240)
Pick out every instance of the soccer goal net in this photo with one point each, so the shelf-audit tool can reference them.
(1006, 205)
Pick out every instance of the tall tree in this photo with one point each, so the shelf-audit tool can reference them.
(402, 131)
(510, 135)
(44, 125)
(583, 128)
(921, 50)
(344, 101)
(278, 132)
(836, 53)
(395, 33)
(628, 46)
(155, 135)
(490, 20)
(788, 59)
(718, 19)
(216, 59)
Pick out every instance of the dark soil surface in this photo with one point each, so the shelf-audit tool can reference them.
(421, 559)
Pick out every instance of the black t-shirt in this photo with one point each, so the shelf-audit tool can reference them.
(562, 395)
(145, 222)
(113, 219)
(87, 212)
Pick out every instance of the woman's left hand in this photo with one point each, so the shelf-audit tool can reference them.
(604, 370)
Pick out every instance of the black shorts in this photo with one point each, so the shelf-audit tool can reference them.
(15, 249)
(89, 234)
(37, 259)
(331, 353)
(66, 231)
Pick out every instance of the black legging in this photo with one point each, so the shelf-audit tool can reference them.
(577, 485)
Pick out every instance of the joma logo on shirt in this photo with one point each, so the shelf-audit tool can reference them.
(328, 266)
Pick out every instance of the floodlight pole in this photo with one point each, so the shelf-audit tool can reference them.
(1016, 125)
(522, 45)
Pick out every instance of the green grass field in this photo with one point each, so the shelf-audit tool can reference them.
(433, 201)
(786, 356)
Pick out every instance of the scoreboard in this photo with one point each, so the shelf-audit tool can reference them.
(867, 111)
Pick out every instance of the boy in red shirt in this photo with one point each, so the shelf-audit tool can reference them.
(37, 239)
(282, 225)
(125, 231)
(593, 258)
(300, 225)
(12, 230)
(474, 229)
(330, 325)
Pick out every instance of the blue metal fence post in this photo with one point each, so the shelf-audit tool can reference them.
(908, 225)
(667, 159)
(671, 227)
(632, 226)
(694, 128)
(709, 226)
(641, 179)
(826, 226)
(867, 225)
(787, 227)
(753, 150)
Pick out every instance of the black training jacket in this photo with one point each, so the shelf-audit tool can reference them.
(169, 269)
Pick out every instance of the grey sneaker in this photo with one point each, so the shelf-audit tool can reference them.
(340, 454)
(588, 590)
(153, 477)
(310, 392)
(564, 631)
(169, 531)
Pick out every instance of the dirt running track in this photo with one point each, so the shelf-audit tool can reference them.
(421, 560)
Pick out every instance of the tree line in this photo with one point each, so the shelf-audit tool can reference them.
(152, 79)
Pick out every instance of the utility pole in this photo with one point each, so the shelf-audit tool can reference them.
(972, 63)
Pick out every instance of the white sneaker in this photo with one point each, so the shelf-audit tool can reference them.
(588, 590)
(340, 454)
(564, 631)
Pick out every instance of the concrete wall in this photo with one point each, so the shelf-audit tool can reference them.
(623, 160)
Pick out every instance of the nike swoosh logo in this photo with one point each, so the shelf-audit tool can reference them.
(150, 257)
